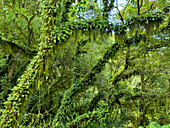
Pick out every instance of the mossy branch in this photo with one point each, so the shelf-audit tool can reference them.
(87, 81)
(15, 48)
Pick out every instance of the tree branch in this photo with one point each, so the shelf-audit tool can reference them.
(17, 49)
(125, 8)
(121, 18)
(141, 4)
(149, 8)
(138, 7)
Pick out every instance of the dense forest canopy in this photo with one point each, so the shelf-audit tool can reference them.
(84, 63)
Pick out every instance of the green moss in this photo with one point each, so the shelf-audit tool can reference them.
(132, 29)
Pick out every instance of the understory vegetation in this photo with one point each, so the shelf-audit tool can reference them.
(84, 64)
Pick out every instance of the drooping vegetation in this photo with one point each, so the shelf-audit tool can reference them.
(83, 64)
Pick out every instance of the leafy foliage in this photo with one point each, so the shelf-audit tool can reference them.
(72, 64)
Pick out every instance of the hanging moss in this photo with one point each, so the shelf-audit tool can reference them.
(116, 37)
(157, 24)
(90, 36)
(76, 39)
(151, 28)
(94, 34)
(120, 38)
(147, 32)
(46, 66)
(132, 29)
(97, 32)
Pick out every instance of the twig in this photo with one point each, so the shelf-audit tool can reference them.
(121, 18)
(141, 4)
(149, 8)
(125, 7)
